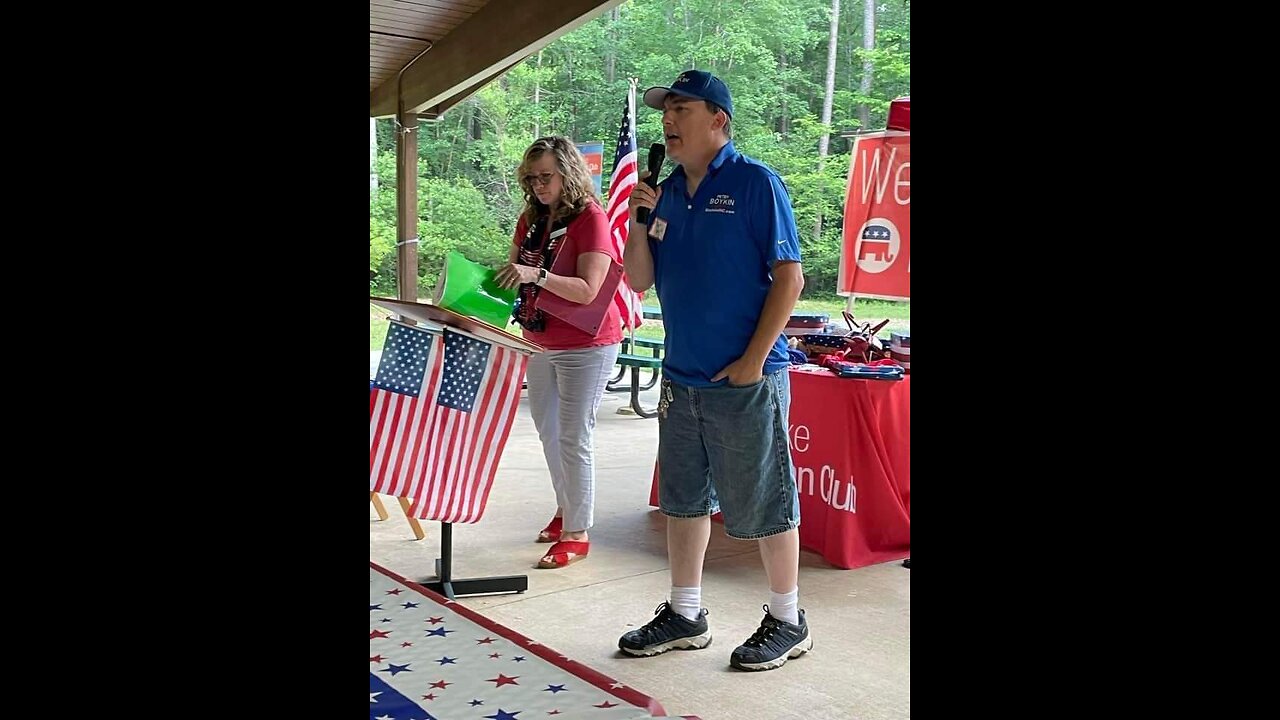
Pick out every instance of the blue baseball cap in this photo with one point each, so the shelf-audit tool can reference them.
(695, 84)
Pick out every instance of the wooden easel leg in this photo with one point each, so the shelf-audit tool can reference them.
(418, 533)
(377, 505)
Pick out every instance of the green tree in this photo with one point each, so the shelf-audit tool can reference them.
(773, 54)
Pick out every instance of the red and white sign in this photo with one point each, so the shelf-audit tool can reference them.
(875, 258)
(900, 114)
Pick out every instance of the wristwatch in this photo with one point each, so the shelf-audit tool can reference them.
(542, 278)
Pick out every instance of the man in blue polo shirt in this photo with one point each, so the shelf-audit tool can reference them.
(721, 248)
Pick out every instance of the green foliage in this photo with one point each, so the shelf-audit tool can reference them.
(453, 216)
(771, 53)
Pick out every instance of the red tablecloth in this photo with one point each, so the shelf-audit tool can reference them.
(851, 445)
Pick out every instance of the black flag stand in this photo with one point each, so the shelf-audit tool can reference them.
(450, 588)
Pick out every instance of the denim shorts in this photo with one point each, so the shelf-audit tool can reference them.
(724, 449)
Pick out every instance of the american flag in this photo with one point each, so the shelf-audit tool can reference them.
(620, 185)
(432, 658)
(440, 410)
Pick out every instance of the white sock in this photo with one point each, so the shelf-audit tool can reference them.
(687, 601)
(783, 606)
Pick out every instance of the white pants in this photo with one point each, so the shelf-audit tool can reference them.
(565, 387)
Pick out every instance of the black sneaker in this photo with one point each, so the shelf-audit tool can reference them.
(668, 631)
(772, 644)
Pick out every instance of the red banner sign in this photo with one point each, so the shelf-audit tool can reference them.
(875, 259)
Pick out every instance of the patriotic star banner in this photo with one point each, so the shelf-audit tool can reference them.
(441, 408)
(875, 257)
(433, 659)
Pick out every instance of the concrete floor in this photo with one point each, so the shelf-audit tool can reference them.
(860, 619)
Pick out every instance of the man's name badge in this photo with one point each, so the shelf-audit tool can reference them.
(659, 229)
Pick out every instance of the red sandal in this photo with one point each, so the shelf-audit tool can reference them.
(551, 533)
(564, 553)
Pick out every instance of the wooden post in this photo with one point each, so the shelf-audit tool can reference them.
(407, 206)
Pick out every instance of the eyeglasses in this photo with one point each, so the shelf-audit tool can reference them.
(540, 179)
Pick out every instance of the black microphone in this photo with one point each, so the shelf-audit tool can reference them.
(657, 153)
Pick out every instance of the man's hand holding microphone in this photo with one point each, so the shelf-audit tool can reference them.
(644, 196)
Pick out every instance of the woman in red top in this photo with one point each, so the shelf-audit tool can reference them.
(561, 215)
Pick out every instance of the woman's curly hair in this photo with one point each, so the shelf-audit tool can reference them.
(577, 186)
